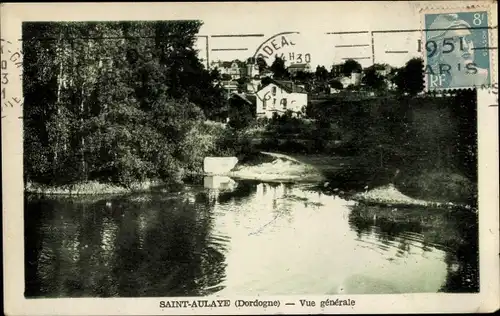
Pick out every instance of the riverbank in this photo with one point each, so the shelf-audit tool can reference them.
(96, 188)
(344, 177)
(332, 175)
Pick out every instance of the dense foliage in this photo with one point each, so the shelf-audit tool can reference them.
(413, 134)
(115, 101)
(350, 66)
(410, 78)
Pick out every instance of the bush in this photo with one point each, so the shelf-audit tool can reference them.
(442, 186)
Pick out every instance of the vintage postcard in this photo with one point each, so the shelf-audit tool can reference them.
(250, 158)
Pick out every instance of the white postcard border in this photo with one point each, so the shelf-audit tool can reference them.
(15, 304)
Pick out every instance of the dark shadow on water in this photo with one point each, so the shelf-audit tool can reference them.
(455, 231)
(244, 190)
(121, 247)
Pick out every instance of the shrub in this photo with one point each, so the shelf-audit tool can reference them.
(443, 185)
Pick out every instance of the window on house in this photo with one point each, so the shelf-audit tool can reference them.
(274, 91)
(264, 105)
(283, 103)
(274, 103)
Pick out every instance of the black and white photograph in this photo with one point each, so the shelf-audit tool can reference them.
(226, 161)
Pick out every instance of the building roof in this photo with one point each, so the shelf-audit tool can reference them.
(266, 72)
(298, 66)
(229, 64)
(288, 86)
(249, 98)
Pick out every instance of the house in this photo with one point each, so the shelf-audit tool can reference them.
(384, 70)
(235, 69)
(252, 71)
(244, 97)
(252, 86)
(295, 68)
(229, 87)
(354, 79)
(336, 70)
(280, 97)
(266, 73)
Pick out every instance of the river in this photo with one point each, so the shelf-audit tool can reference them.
(243, 238)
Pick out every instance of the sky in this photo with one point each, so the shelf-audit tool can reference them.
(313, 21)
(223, 21)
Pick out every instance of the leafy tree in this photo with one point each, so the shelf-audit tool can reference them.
(240, 113)
(336, 84)
(215, 74)
(351, 66)
(261, 62)
(410, 78)
(392, 75)
(242, 82)
(373, 79)
(278, 68)
(265, 81)
(321, 73)
(114, 101)
(304, 77)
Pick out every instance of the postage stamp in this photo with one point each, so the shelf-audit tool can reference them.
(250, 158)
(457, 47)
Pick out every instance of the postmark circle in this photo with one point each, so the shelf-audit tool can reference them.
(11, 61)
(288, 46)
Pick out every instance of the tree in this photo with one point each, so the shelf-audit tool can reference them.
(261, 62)
(215, 74)
(392, 75)
(242, 83)
(279, 69)
(335, 84)
(113, 101)
(351, 66)
(302, 76)
(373, 79)
(240, 113)
(265, 81)
(321, 73)
(410, 78)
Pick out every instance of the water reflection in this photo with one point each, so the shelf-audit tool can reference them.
(426, 230)
(155, 247)
(243, 238)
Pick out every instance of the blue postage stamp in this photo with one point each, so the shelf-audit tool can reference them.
(456, 50)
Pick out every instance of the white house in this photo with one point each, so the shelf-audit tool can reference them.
(279, 97)
(235, 69)
(295, 68)
(354, 79)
